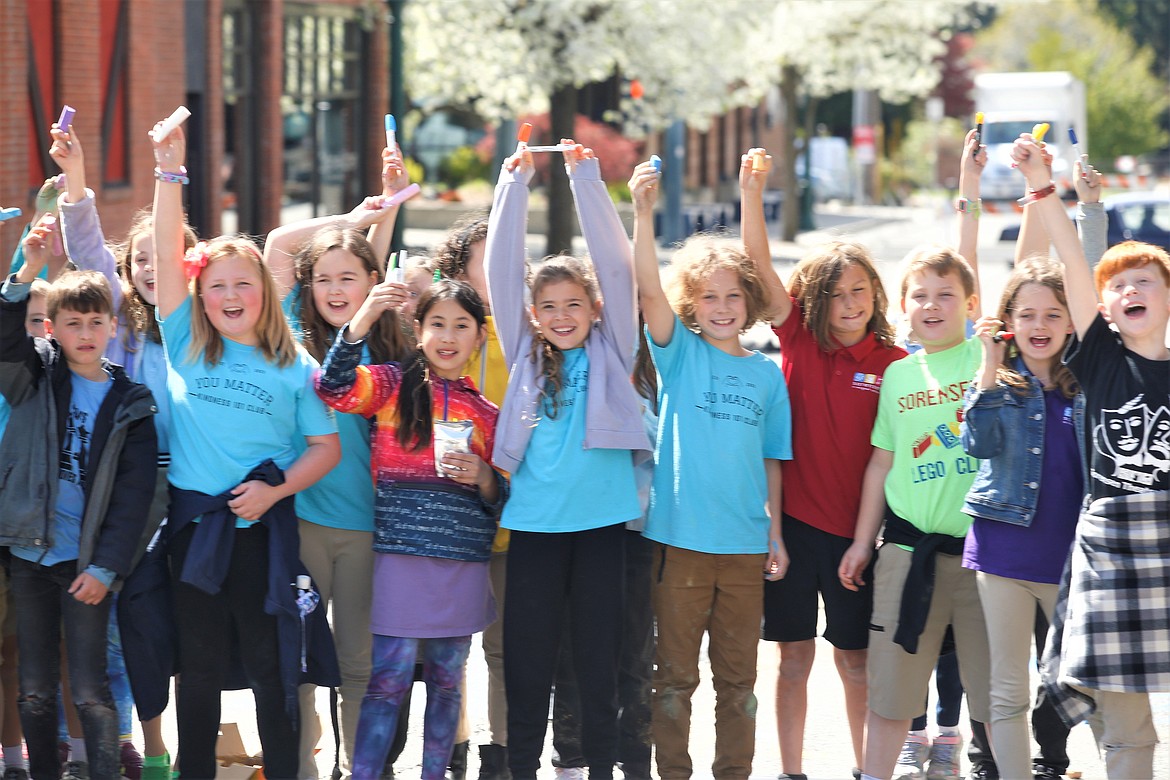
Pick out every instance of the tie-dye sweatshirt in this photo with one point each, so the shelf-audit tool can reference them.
(416, 511)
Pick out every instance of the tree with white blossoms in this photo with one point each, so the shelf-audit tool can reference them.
(503, 58)
(813, 49)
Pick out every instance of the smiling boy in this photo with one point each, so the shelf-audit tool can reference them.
(79, 455)
(916, 481)
(1111, 632)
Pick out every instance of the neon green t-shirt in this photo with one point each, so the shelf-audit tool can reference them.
(919, 411)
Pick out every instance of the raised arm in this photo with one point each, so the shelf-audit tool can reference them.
(394, 178)
(970, 169)
(170, 281)
(609, 248)
(1033, 239)
(752, 179)
(656, 311)
(1078, 279)
(1092, 224)
(505, 255)
(283, 243)
(85, 242)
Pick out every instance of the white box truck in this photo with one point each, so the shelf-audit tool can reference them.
(1012, 103)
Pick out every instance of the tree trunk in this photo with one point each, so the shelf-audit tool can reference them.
(790, 208)
(563, 110)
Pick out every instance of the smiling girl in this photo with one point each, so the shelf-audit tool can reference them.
(249, 434)
(434, 518)
(569, 422)
(715, 519)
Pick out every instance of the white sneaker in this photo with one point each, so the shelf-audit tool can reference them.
(912, 758)
(945, 757)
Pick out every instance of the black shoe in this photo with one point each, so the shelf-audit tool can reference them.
(984, 772)
(1042, 772)
(457, 767)
(493, 763)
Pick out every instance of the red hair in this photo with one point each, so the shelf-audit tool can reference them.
(1130, 254)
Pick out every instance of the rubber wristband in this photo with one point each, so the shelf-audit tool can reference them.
(173, 178)
(1035, 195)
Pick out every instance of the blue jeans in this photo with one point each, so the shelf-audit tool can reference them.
(390, 680)
(43, 606)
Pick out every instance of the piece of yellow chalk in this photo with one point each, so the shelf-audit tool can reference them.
(978, 117)
(759, 161)
(1039, 130)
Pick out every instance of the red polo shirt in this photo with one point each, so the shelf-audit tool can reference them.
(834, 397)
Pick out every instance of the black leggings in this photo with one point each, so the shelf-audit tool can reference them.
(207, 625)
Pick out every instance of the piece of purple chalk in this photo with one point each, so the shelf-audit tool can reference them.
(65, 121)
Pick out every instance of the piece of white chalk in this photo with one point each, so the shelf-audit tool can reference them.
(304, 582)
(556, 148)
(180, 115)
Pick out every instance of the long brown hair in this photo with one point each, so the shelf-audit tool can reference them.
(1048, 273)
(451, 256)
(815, 278)
(559, 268)
(415, 408)
(386, 340)
(273, 337)
(135, 314)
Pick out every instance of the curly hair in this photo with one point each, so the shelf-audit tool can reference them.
(451, 256)
(694, 264)
(814, 280)
(558, 268)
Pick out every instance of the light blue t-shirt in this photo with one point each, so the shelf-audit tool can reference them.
(562, 487)
(231, 417)
(719, 417)
(344, 498)
(5, 411)
(87, 397)
(150, 368)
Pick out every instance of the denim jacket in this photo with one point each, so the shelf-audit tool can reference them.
(1005, 430)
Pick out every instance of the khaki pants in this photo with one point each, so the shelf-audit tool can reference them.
(1009, 606)
(341, 564)
(1125, 732)
(723, 596)
(898, 680)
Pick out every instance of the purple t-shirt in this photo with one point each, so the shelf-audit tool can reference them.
(429, 598)
(1037, 553)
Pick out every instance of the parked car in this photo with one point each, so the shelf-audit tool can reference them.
(1133, 216)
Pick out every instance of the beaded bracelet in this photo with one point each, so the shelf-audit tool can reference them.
(974, 207)
(1035, 195)
(173, 178)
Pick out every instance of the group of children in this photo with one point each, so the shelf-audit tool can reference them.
(544, 432)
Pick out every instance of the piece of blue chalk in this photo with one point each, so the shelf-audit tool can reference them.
(656, 161)
(9, 213)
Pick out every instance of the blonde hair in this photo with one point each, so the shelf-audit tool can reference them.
(273, 337)
(558, 268)
(939, 260)
(693, 266)
(814, 280)
(1043, 271)
(39, 287)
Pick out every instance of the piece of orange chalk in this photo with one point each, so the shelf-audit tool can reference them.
(524, 133)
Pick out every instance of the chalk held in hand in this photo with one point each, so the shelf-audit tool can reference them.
(11, 212)
(656, 161)
(395, 273)
(400, 197)
(391, 132)
(180, 115)
(1003, 335)
(65, 121)
(524, 133)
(1039, 131)
(759, 161)
(553, 148)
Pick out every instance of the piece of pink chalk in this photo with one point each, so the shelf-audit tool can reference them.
(401, 196)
